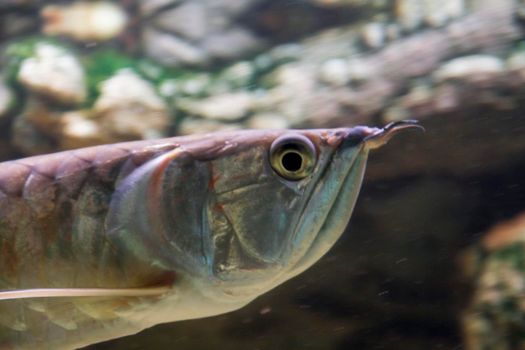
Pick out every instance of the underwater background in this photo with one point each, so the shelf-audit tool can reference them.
(434, 257)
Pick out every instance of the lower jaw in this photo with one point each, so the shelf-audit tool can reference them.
(334, 226)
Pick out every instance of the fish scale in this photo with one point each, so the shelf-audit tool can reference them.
(46, 190)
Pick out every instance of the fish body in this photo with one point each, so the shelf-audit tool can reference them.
(216, 220)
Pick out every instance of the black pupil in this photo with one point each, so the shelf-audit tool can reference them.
(292, 161)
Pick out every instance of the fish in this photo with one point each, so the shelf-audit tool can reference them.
(102, 242)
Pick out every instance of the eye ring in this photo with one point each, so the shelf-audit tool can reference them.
(293, 157)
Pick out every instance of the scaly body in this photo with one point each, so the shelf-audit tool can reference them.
(216, 219)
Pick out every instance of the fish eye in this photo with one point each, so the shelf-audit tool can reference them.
(293, 157)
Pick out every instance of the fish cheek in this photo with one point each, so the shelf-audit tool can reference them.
(262, 217)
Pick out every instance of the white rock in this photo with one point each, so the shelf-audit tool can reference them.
(393, 31)
(196, 85)
(516, 61)
(231, 43)
(172, 51)
(437, 13)
(335, 72)
(359, 70)
(6, 99)
(469, 66)
(226, 107)
(169, 88)
(129, 108)
(374, 34)
(85, 21)
(79, 130)
(267, 121)
(238, 74)
(189, 20)
(409, 13)
(55, 73)
(190, 126)
(126, 88)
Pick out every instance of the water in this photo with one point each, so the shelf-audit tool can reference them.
(423, 264)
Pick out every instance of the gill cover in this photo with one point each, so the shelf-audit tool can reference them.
(156, 212)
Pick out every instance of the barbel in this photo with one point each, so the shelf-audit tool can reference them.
(102, 242)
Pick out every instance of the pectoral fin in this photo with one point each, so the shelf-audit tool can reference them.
(66, 318)
(82, 292)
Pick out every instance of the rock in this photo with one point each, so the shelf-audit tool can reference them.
(409, 13)
(6, 99)
(35, 129)
(80, 130)
(172, 51)
(125, 88)
(335, 72)
(226, 107)
(238, 75)
(85, 21)
(55, 73)
(412, 13)
(16, 24)
(494, 319)
(190, 20)
(359, 70)
(232, 43)
(293, 89)
(267, 121)
(231, 8)
(196, 85)
(374, 35)
(516, 61)
(469, 67)
(393, 31)
(129, 108)
(191, 126)
(438, 13)
(150, 7)
(516, 67)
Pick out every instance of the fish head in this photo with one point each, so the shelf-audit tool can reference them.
(279, 200)
(239, 213)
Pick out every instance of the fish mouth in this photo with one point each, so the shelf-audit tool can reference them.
(337, 213)
(352, 153)
(310, 240)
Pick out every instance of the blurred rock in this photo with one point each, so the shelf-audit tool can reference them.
(231, 43)
(189, 20)
(80, 130)
(439, 13)
(238, 75)
(412, 13)
(335, 72)
(16, 24)
(150, 7)
(267, 121)
(55, 73)
(172, 51)
(85, 21)
(409, 13)
(202, 126)
(6, 99)
(374, 34)
(35, 129)
(475, 67)
(129, 108)
(227, 107)
(495, 318)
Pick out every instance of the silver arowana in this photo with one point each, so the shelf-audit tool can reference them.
(102, 242)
